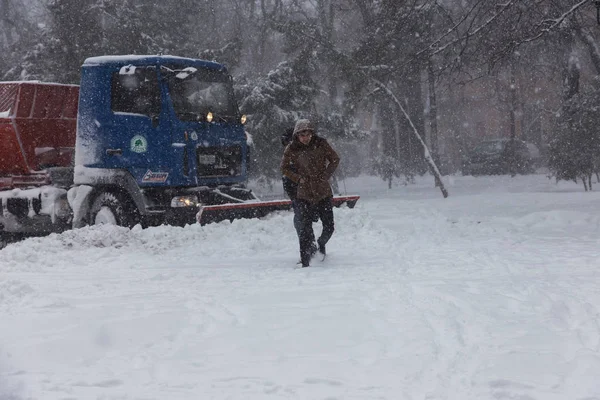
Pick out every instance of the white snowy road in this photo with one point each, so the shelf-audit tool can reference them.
(493, 293)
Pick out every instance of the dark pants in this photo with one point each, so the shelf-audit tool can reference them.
(297, 217)
(324, 209)
(298, 220)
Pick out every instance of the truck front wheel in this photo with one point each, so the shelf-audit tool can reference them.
(110, 208)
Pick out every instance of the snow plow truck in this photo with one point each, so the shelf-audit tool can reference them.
(144, 140)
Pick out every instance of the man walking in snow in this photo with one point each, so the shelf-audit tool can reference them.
(310, 161)
(291, 189)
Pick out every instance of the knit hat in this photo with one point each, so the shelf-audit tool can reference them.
(303, 125)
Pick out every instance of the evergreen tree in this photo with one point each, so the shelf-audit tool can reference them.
(73, 31)
(273, 105)
(575, 145)
(18, 31)
(79, 29)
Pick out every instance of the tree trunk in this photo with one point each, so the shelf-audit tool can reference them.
(327, 16)
(513, 122)
(571, 80)
(591, 45)
(6, 21)
(433, 127)
(426, 152)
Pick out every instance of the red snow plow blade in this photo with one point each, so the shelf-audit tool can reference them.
(257, 209)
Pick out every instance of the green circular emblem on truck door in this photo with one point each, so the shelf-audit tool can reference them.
(139, 144)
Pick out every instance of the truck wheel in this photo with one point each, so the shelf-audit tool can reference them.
(110, 208)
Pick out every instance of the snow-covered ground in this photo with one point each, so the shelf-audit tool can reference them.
(493, 293)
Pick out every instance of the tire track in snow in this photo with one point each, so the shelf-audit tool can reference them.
(504, 247)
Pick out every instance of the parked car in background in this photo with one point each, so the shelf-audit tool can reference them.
(492, 157)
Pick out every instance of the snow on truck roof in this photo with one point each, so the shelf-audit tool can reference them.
(36, 83)
(149, 59)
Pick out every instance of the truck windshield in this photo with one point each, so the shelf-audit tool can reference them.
(196, 92)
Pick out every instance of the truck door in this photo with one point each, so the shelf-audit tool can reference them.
(139, 134)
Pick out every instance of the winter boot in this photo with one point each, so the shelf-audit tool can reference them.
(305, 262)
(322, 249)
(313, 249)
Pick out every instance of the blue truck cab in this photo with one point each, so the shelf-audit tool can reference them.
(145, 139)
(157, 136)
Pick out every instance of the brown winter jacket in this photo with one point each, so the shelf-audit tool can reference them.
(315, 162)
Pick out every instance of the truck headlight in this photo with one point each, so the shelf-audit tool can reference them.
(184, 201)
